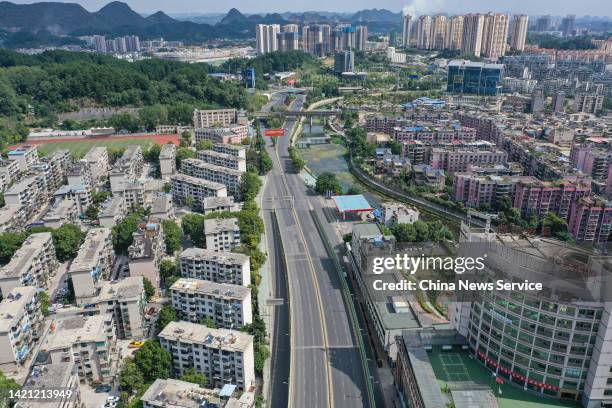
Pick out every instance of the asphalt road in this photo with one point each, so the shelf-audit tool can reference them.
(325, 367)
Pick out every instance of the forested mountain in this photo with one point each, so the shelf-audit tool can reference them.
(44, 20)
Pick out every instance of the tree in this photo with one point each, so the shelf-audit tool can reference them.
(153, 361)
(209, 322)
(353, 190)
(166, 315)
(152, 154)
(404, 233)
(327, 183)
(296, 159)
(557, 227)
(98, 197)
(205, 144)
(183, 153)
(2, 201)
(122, 233)
(396, 147)
(167, 268)
(114, 153)
(67, 240)
(149, 288)
(45, 303)
(6, 385)
(249, 185)
(192, 376)
(193, 227)
(130, 378)
(422, 231)
(264, 162)
(92, 212)
(172, 236)
(262, 353)
(9, 243)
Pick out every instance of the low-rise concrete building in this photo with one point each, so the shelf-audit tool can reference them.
(88, 342)
(234, 150)
(25, 156)
(92, 263)
(228, 177)
(62, 212)
(214, 266)
(128, 167)
(191, 191)
(161, 206)
(12, 218)
(28, 193)
(223, 159)
(20, 322)
(81, 194)
(224, 356)
(396, 213)
(146, 252)
(30, 265)
(125, 299)
(97, 160)
(112, 211)
(215, 204)
(79, 174)
(182, 394)
(222, 234)
(228, 305)
(167, 160)
(62, 377)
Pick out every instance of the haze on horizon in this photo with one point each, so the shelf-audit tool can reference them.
(531, 7)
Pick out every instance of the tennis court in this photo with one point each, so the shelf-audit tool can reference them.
(453, 366)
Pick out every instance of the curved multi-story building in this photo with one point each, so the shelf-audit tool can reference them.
(556, 342)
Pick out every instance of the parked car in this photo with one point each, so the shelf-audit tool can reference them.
(103, 388)
(136, 344)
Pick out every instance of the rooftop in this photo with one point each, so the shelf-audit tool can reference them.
(182, 394)
(217, 225)
(25, 255)
(49, 376)
(352, 203)
(13, 304)
(218, 290)
(210, 255)
(168, 151)
(195, 180)
(90, 251)
(129, 288)
(229, 340)
(76, 329)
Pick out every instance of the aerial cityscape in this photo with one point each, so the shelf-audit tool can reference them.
(393, 205)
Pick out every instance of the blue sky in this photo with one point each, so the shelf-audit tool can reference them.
(533, 7)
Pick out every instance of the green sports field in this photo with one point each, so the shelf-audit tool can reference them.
(80, 148)
(458, 366)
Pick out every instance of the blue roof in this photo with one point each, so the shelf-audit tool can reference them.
(352, 203)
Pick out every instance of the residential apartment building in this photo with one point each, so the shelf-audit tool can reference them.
(9, 172)
(112, 211)
(455, 160)
(125, 299)
(486, 190)
(406, 30)
(266, 38)
(223, 159)
(590, 219)
(31, 265)
(495, 35)
(214, 204)
(221, 234)
(396, 213)
(214, 117)
(473, 28)
(97, 160)
(588, 102)
(62, 377)
(25, 156)
(215, 266)
(234, 150)
(92, 263)
(182, 394)
(128, 167)
(20, 326)
(79, 174)
(58, 164)
(12, 218)
(228, 177)
(231, 134)
(80, 194)
(223, 356)
(520, 22)
(228, 305)
(191, 191)
(87, 342)
(28, 193)
(535, 197)
(146, 252)
(62, 212)
(423, 32)
(167, 160)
